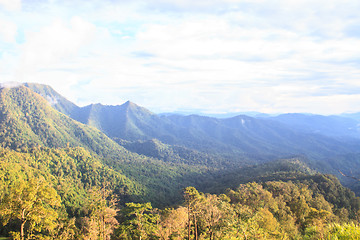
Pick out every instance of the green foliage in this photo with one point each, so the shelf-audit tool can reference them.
(100, 221)
(32, 204)
(138, 222)
(58, 177)
(344, 231)
(72, 170)
(269, 210)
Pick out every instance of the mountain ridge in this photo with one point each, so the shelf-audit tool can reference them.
(241, 134)
(240, 138)
(28, 121)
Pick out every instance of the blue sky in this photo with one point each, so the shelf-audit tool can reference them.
(196, 56)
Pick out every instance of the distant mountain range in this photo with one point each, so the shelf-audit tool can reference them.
(279, 136)
(163, 150)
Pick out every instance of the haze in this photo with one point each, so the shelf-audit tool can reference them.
(195, 56)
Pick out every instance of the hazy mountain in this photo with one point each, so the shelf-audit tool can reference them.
(355, 116)
(232, 141)
(218, 115)
(127, 121)
(334, 126)
(260, 136)
(268, 137)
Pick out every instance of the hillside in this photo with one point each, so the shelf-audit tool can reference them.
(271, 137)
(236, 141)
(54, 98)
(76, 177)
(333, 126)
(27, 120)
(127, 121)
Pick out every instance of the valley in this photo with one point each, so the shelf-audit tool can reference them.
(254, 173)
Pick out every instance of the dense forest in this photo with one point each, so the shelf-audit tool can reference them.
(154, 177)
(51, 193)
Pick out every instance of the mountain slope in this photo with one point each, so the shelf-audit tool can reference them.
(238, 140)
(127, 121)
(261, 138)
(54, 98)
(355, 116)
(27, 121)
(72, 170)
(333, 126)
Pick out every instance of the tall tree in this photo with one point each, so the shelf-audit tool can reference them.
(101, 220)
(33, 203)
(139, 221)
(173, 223)
(192, 196)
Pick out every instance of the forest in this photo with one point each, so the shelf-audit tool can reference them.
(167, 178)
(66, 194)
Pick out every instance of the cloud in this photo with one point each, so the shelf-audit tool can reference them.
(11, 5)
(221, 55)
(10, 85)
(54, 43)
(8, 31)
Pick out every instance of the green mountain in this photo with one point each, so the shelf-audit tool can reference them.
(220, 143)
(27, 121)
(261, 138)
(127, 121)
(72, 170)
(66, 168)
(54, 98)
(183, 155)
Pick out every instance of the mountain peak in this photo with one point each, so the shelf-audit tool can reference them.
(133, 107)
(130, 104)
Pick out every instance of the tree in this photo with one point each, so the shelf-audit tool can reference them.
(213, 212)
(101, 221)
(139, 222)
(33, 203)
(173, 223)
(191, 196)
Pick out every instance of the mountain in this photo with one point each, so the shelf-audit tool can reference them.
(270, 137)
(355, 116)
(28, 121)
(218, 115)
(261, 136)
(54, 98)
(127, 121)
(183, 155)
(333, 126)
(70, 172)
(233, 142)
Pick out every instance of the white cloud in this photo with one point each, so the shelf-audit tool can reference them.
(10, 85)
(11, 5)
(8, 31)
(230, 55)
(54, 43)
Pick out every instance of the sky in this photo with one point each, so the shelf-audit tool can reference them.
(205, 57)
